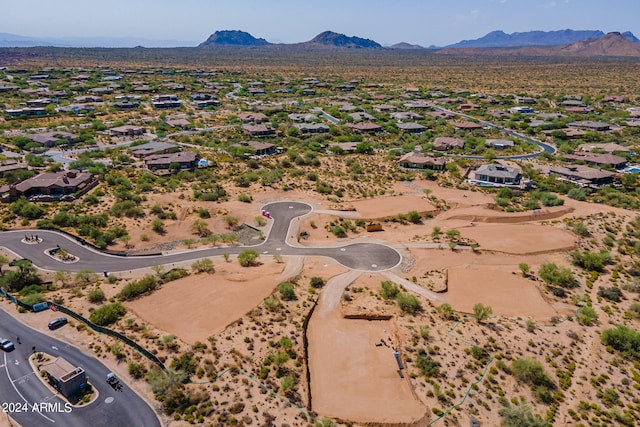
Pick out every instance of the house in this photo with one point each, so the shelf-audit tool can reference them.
(466, 125)
(260, 148)
(415, 160)
(498, 174)
(441, 114)
(345, 87)
(259, 130)
(616, 99)
(165, 101)
(256, 91)
(253, 117)
(297, 117)
(500, 144)
(361, 116)
(69, 380)
(312, 127)
(573, 103)
(50, 186)
(579, 110)
(568, 132)
(590, 125)
(178, 123)
(38, 103)
(172, 161)
(204, 100)
(384, 108)
(408, 115)
(597, 159)
(522, 110)
(50, 139)
(607, 147)
(525, 100)
(444, 143)
(127, 130)
(411, 127)
(347, 147)
(417, 104)
(583, 175)
(20, 112)
(126, 104)
(78, 108)
(469, 106)
(365, 127)
(153, 147)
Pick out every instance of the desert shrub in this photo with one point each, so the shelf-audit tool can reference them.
(175, 274)
(577, 194)
(587, 315)
(558, 276)
(580, 229)
(481, 312)
(95, 295)
(389, 290)
(204, 213)
(287, 383)
(339, 231)
(408, 303)
(317, 282)
(530, 371)
(33, 298)
(591, 261)
(137, 370)
(634, 310)
(520, 415)
(287, 291)
(157, 226)
(623, 339)
(185, 363)
(230, 220)
(246, 198)
(138, 287)
(428, 366)
(612, 294)
(204, 265)
(414, 217)
(272, 303)
(107, 314)
(248, 257)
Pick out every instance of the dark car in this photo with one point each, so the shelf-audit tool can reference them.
(56, 323)
(6, 345)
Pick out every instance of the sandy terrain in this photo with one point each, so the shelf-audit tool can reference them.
(520, 238)
(496, 286)
(381, 207)
(204, 304)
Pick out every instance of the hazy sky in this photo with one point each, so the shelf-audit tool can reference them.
(425, 22)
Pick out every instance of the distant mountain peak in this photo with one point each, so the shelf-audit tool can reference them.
(233, 38)
(406, 46)
(499, 38)
(329, 38)
(611, 44)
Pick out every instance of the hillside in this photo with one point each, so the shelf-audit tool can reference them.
(233, 38)
(611, 44)
(529, 38)
(404, 45)
(329, 38)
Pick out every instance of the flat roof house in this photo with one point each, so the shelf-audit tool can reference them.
(466, 125)
(590, 125)
(312, 127)
(415, 160)
(499, 143)
(366, 127)
(411, 127)
(499, 174)
(164, 162)
(597, 159)
(50, 139)
(260, 130)
(127, 130)
(261, 148)
(66, 378)
(153, 147)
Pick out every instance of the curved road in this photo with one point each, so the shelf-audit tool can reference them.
(357, 256)
(20, 388)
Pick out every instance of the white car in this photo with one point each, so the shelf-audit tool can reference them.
(6, 345)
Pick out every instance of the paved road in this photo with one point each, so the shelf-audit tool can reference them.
(357, 256)
(326, 115)
(20, 387)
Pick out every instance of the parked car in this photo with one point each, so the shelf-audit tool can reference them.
(6, 345)
(56, 323)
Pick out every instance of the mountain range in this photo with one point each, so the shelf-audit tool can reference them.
(569, 42)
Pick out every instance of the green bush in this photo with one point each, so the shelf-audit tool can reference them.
(414, 217)
(389, 290)
(428, 366)
(317, 282)
(612, 294)
(287, 291)
(520, 415)
(587, 316)
(408, 303)
(95, 295)
(530, 371)
(248, 257)
(591, 261)
(623, 339)
(557, 276)
(137, 370)
(204, 265)
(107, 314)
(139, 287)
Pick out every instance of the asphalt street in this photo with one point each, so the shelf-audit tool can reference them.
(357, 256)
(20, 388)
